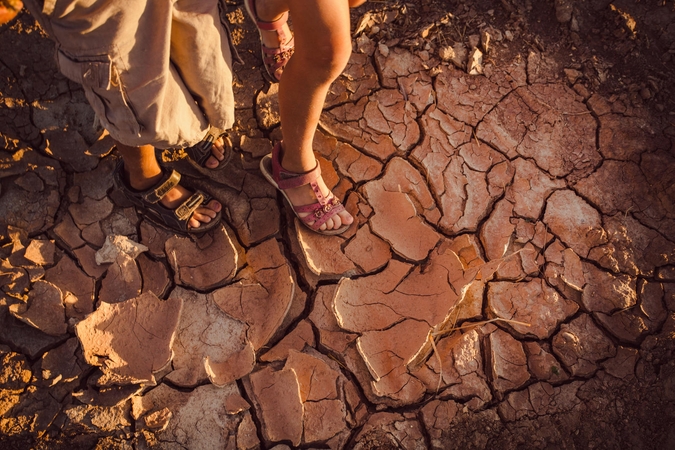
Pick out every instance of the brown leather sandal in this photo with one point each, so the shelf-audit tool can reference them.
(148, 203)
(201, 151)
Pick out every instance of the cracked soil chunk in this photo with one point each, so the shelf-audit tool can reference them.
(130, 340)
(206, 339)
(581, 345)
(540, 308)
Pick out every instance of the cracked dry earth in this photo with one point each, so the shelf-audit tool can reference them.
(510, 282)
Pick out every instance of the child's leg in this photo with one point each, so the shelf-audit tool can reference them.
(322, 49)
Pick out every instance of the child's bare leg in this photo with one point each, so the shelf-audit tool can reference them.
(322, 49)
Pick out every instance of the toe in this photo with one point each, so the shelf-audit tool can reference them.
(218, 149)
(213, 206)
(335, 222)
(327, 225)
(346, 218)
(212, 162)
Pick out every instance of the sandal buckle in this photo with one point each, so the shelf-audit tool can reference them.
(184, 211)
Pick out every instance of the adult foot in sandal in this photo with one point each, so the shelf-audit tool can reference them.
(143, 172)
(211, 152)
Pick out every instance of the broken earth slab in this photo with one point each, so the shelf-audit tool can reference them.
(130, 340)
(207, 339)
(395, 330)
(632, 248)
(91, 419)
(535, 309)
(32, 414)
(70, 279)
(391, 430)
(468, 98)
(543, 122)
(44, 309)
(16, 373)
(455, 369)
(303, 402)
(296, 339)
(323, 254)
(155, 275)
(358, 79)
(401, 202)
(458, 171)
(574, 222)
(437, 415)
(197, 419)
(122, 280)
(581, 346)
(508, 363)
(262, 295)
(22, 337)
(205, 262)
(252, 208)
(381, 125)
(631, 325)
(543, 364)
(32, 201)
(540, 399)
(331, 335)
(114, 245)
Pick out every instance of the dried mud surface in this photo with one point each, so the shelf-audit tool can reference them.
(509, 282)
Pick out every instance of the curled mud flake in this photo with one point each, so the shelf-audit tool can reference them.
(263, 297)
(276, 397)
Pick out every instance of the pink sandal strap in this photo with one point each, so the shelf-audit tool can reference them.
(274, 59)
(317, 213)
(320, 213)
(289, 180)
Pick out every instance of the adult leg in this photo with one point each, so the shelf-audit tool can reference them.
(143, 172)
(200, 52)
(322, 49)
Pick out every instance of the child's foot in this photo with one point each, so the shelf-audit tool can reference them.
(304, 195)
(217, 154)
(313, 203)
(175, 197)
(275, 34)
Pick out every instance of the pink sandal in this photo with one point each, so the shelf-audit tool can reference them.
(282, 179)
(274, 59)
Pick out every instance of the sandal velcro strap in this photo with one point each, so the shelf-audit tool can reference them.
(289, 180)
(164, 187)
(149, 205)
(185, 210)
(317, 214)
(320, 213)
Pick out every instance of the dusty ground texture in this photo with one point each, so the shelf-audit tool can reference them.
(510, 282)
